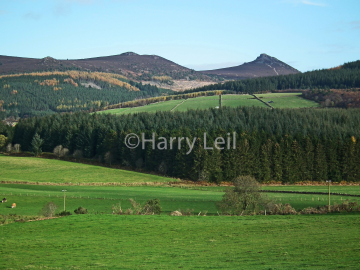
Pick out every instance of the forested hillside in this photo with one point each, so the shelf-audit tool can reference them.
(281, 144)
(343, 77)
(36, 94)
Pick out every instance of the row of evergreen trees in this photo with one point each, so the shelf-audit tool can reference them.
(282, 145)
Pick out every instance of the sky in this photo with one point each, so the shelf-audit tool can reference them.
(198, 34)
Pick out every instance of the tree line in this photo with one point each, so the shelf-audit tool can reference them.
(344, 77)
(271, 145)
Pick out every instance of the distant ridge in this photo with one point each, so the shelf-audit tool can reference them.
(129, 64)
(264, 65)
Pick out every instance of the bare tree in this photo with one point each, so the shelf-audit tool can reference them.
(57, 150)
(49, 209)
(9, 148)
(244, 198)
(17, 148)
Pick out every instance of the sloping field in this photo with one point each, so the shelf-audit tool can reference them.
(278, 100)
(29, 169)
(287, 100)
(165, 242)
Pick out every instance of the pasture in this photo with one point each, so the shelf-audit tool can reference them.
(106, 241)
(99, 199)
(279, 100)
(190, 242)
(30, 169)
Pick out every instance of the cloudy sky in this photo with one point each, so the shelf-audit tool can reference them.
(199, 34)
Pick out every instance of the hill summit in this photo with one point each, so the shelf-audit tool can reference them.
(264, 65)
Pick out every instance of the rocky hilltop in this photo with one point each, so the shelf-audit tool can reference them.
(264, 65)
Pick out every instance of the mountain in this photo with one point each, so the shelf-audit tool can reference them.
(262, 66)
(132, 65)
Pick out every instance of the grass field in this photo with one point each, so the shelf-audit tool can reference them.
(165, 242)
(101, 240)
(287, 100)
(280, 100)
(99, 199)
(30, 169)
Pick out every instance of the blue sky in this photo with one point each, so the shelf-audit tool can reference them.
(198, 34)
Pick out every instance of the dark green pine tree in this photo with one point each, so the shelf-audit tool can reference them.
(265, 162)
(309, 173)
(320, 165)
(277, 163)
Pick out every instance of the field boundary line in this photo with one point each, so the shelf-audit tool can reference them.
(178, 105)
(267, 104)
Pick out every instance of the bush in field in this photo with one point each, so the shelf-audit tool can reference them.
(244, 198)
(280, 209)
(63, 213)
(80, 210)
(48, 210)
(152, 207)
(117, 210)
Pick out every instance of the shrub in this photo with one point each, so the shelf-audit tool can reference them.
(280, 209)
(244, 198)
(57, 150)
(48, 210)
(117, 210)
(63, 213)
(80, 210)
(78, 154)
(64, 152)
(152, 207)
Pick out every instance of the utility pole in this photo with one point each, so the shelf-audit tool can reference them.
(220, 99)
(64, 198)
(329, 181)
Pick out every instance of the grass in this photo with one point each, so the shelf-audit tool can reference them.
(281, 100)
(287, 100)
(161, 106)
(99, 199)
(30, 169)
(165, 242)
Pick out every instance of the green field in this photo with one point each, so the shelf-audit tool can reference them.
(280, 100)
(101, 240)
(164, 242)
(30, 169)
(287, 100)
(99, 199)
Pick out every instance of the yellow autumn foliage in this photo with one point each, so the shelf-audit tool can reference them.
(110, 78)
